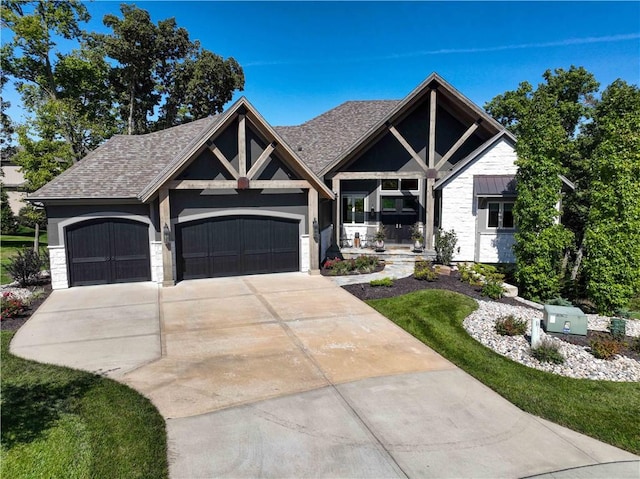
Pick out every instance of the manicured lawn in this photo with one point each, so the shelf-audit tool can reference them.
(62, 423)
(605, 410)
(12, 243)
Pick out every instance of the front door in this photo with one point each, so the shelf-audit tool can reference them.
(399, 214)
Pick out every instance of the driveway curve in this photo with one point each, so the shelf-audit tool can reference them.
(289, 375)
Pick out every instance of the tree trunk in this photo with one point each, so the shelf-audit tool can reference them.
(576, 266)
(130, 121)
(36, 239)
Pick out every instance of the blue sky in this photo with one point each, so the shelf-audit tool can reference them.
(303, 58)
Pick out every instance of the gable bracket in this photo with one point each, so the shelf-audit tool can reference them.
(407, 147)
(242, 145)
(262, 159)
(222, 159)
(458, 143)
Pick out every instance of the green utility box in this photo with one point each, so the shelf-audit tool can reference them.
(564, 320)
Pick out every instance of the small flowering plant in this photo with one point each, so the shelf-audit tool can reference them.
(12, 306)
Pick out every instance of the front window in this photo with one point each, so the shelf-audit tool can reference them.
(353, 209)
(500, 215)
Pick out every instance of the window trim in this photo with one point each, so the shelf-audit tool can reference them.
(501, 204)
(354, 195)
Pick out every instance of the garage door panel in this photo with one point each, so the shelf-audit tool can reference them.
(240, 245)
(108, 251)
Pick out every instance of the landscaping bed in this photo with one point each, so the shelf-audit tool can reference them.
(34, 295)
(407, 285)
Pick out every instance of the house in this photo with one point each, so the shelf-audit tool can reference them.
(230, 194)
(13, 183)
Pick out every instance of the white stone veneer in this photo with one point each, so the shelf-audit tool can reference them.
(155, 249)
(304, 253)
(58, 267)
(458, 202)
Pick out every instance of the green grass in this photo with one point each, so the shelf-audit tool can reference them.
(9, 244)
(62, 423)
(605, 410)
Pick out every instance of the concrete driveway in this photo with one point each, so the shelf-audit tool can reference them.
(289, 376)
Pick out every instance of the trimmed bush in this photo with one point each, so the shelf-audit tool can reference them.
(603, 348)
(445, 246)
(423, 271)
(511, 326)
(386, 282)
(548, 352)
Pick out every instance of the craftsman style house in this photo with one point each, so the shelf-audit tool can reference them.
(230, 194)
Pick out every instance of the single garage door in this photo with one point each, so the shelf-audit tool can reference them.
(237, 245)
(108, 251)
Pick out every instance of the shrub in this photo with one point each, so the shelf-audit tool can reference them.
(343, 267)
(25, 266)
(8, 223)
(492, 289)
(386, 282)
(635, 345)
(12, 306)
(559, 302)
(468, 275)
(423, 271)
(548, 352)
(366, 263)
(445, 246)
(605, 348)
(511, 326)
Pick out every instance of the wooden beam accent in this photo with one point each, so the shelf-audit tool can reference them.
(407, 147)
(432, 129)
(335, 186)
(456, 146)
(165, 219)
(377, 175)
(262, 159)
(231, 184)
(222, 159)
(430, 207)
(242, 146)
(314, 247)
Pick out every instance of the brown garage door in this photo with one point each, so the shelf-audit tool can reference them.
(237, 245)
(108, 251)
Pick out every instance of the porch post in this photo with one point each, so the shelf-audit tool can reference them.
(335, 186)
(314, 247)
(431, 173)
(165, 219)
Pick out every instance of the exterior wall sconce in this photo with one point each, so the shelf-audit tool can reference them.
(316, 230)
(166, 234)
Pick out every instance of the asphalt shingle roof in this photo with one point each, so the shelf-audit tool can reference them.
(320, 140)
(124, 165)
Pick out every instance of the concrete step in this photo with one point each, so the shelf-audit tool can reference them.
(394, 254)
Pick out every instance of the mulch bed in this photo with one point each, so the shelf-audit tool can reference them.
(408, 285)
(14, 324)
(327, 271)
(625, 348)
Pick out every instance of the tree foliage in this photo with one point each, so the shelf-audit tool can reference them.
(158, 66)
(612, 263)
(563, 129)
(156, 78)
(8, 223)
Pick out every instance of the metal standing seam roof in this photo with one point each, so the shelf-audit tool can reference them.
(494, 185)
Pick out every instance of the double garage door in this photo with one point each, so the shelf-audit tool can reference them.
(237, 245)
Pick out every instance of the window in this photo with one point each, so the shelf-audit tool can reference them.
(500, 215)
(388, 204)
(411, 184)
(389, 184)
(397, 185)
(353, 208)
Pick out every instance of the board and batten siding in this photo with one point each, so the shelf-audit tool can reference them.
(459, 206)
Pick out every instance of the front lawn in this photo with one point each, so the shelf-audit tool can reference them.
(62, 423)
(605, 410)
(10, 244)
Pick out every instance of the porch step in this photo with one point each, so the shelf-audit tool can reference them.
(393, 254)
